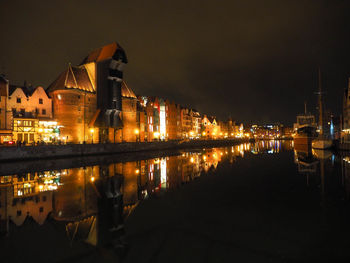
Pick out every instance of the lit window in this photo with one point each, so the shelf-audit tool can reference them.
(59, 96)
(40, 101)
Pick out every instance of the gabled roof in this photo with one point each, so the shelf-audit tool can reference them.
(28, 91)
(113, 50)
(73, 78)
(211, 119)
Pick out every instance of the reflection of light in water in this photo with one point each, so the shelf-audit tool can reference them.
(163, 173)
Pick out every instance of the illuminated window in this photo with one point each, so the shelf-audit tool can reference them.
(40, 101)
(59, 96)
(18, 100)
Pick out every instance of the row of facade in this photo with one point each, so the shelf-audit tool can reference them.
(91, 103)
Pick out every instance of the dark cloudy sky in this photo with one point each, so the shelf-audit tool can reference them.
(254, 60)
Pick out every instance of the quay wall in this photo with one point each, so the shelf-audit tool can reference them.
(13, 153)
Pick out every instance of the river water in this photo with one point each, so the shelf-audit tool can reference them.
(254, 202)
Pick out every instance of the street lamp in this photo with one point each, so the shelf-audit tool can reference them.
(137, 132)
(92, 135)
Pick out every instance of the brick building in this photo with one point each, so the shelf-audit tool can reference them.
(93, 103)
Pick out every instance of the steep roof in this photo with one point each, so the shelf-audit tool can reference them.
(3, 79)
(127, 92)
(28, 91)
(73, 78)
(211, 118)
(106, 52)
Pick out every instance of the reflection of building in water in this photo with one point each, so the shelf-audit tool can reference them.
(271, 146)
(76, 199)
(211, 159)
(86, 197)
(25, 196)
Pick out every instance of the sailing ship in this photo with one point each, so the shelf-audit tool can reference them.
(322, 141)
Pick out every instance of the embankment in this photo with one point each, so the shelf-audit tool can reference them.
(40, 152)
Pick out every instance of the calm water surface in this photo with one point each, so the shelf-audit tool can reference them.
(258, 202)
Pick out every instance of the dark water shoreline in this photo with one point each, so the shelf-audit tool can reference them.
(39, 152)
(15, 166)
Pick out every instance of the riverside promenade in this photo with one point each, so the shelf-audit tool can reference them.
(13, 153)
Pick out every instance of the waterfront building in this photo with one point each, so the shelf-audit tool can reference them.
(92, 101)
(206, 127)
(147, 107)
(195, 124)
(172, 123)
(30, 100)
(155, 108)
(5, 113)
(30, 106)
(210, 128)
(129, 113)
(231, 127)
(74, 103)
(186, 122)
(141, 119)
(162, 119)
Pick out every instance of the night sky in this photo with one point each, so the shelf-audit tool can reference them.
(255, 61)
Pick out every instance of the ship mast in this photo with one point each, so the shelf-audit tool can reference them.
(320, 105)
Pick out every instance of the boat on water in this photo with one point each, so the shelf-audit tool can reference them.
(322, 142)
(305, 129)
